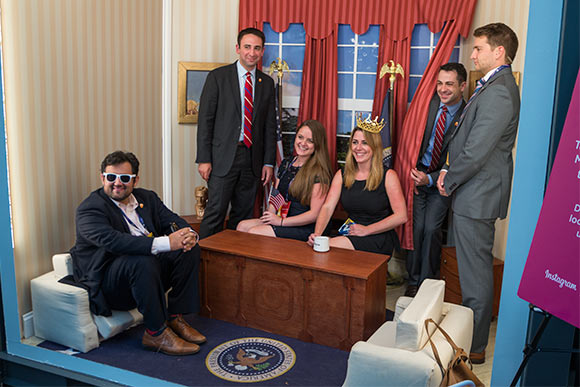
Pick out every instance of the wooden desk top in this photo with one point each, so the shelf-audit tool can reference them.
(350, 263)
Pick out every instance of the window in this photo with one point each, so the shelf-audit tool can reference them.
(357, 67)
(423, 43)
(288, 45)
(357, 71)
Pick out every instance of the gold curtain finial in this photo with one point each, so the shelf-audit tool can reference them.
(280, 67)
(393, 70)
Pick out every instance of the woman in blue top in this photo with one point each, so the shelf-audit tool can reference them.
(300, 189)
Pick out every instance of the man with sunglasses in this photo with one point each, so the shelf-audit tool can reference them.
(130, 249)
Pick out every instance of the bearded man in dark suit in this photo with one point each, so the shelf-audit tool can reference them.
(479, 173)
(130, 250)
(236, 134)
(429, 207)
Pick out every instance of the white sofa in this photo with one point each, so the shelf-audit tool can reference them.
(398, 353)
(62, 314)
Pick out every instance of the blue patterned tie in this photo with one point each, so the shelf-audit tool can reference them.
(480, 84)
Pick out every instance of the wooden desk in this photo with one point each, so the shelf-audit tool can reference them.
(283, 286)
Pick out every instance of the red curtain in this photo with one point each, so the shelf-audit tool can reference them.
(411, 134)
(319, 94)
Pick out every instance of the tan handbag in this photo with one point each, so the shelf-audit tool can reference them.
(459, 368)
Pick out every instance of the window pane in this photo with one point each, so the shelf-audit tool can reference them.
(413, 83)
(367, 59)
(454, 55)
(419, 59)
(421, 35)
(365, 86)
(345, 58)
(370, 37)
(344, 124)
(270, 54)
(344, 85)
(294, 34)
(271, 35)
(294, 56)
(345, 34)
(363, 113)
(291, 84)
(436, 37)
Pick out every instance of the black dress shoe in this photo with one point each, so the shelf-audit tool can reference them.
(411, 290)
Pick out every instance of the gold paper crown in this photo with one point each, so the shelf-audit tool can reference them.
(373, 126)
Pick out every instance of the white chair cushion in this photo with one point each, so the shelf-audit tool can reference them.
(117, 322)
(62, 314)
(62, 264)
(426, 304)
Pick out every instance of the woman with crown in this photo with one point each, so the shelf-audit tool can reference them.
(300, 189)
(371, 195)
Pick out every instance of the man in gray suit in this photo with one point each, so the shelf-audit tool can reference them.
(429, 207)
(479, 172)
(236, 134)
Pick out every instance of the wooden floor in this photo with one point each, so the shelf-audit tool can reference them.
(483, 371)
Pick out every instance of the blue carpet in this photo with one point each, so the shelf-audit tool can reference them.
(316, 365)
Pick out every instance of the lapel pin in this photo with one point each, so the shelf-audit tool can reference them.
(456, 123)
(140, 205)
(259, 79)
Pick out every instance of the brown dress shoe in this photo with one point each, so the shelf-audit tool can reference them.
(185, 331)
(169, 343)
(477, 357)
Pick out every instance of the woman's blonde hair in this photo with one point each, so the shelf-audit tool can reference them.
(316, 169)
(377, 172)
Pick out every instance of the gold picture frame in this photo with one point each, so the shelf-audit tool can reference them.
(475, 76)
(190, 80)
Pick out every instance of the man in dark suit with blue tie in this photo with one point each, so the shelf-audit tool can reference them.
(130, 250)
(479, 173)
(429, 207)
(236, 134)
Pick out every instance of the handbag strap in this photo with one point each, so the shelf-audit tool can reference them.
(433, 347)
(449, 339)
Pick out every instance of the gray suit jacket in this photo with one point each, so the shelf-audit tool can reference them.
(480, 154)
(220, 119)
(433, 108)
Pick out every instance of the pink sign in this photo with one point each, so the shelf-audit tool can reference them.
(552, 273)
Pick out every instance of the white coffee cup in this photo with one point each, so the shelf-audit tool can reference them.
(321, 244)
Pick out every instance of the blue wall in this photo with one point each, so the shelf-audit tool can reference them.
(538, 90)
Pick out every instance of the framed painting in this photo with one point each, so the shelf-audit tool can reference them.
(475, 76)
(190, 80)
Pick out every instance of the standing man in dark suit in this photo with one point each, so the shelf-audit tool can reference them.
(480, 169)
(236, 134)
(429, 207)
(130, 250)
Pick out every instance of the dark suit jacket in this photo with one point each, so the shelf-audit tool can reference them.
(480, 154)
(220, 119)
(433, 107)
(102, 235)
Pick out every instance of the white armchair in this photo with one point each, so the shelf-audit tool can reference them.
(62, 314)
(396, 354)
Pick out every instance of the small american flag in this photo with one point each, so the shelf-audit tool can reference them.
(276, 199)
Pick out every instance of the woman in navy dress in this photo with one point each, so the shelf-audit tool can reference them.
(371, 195)
(301, 186)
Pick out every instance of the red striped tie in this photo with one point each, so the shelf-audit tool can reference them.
(248, 110)
(438, 143)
